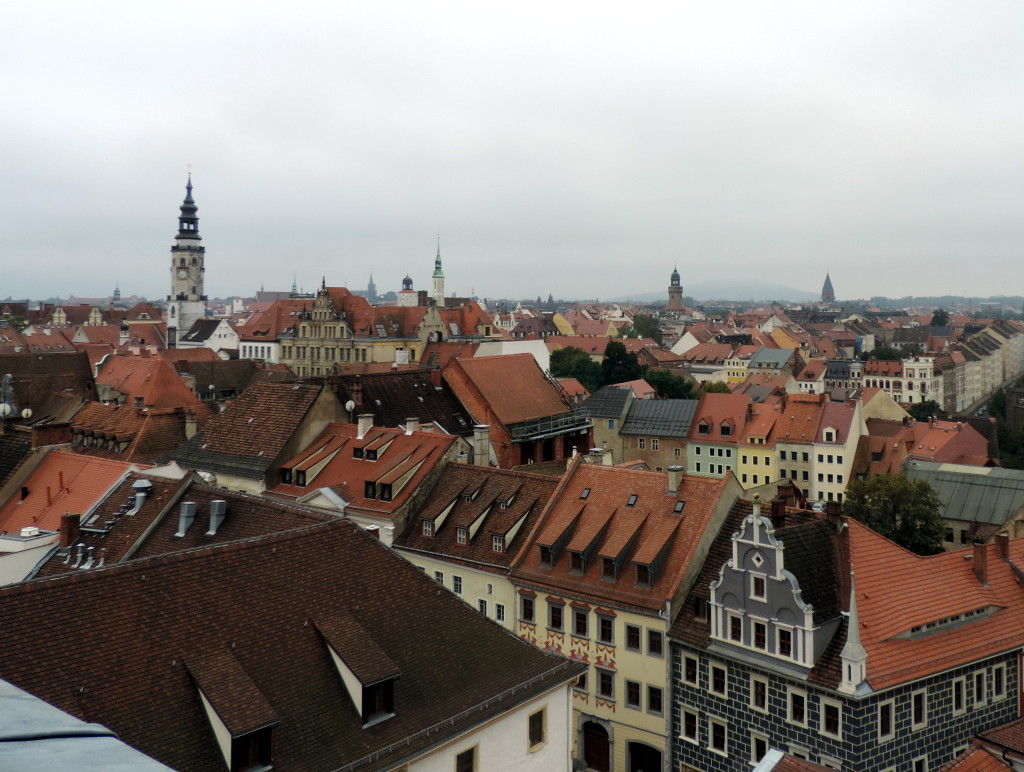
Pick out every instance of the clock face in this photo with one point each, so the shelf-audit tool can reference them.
(182, 273)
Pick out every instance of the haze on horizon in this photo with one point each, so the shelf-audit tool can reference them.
(572, 149)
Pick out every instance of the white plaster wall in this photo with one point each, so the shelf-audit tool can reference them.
(503, 744)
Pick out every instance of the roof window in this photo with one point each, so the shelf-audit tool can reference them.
(631, 501)
(585, 493)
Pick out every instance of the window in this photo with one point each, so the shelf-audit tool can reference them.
(579, 624)
(759, 693)
(757, 587)
(886, 723)
(726, 430)
(703, 427)
(690, 670)
(633, 637)
(576, 562)
(735, 629)
(655, 700)
(606, 684)
(466, 761)
(785, 642)
(526, 608)
(760, 635)
(428, 527)
(998, 682)
(805, 457)
(921, 764)
(676, 452)
(631, 501)
(457, 584)
(439, 577)
(497, 543)
(831, 718)
(581, 682)
(462, 535)
(606, 630)
(959, 690)
(655, 444)
(758, 747)
(546, 556)
(797, 710)
(608, 569)
(717, 736)
(481, 604)
(979, 688)
(611, 423)
(642, 443)
(537, 729)
(633, 695)
(918, 710)
(719, 684)
(585, 493)
(643, 575)
(655, 643)
(555, 611)
(499, 612)
(688, 725)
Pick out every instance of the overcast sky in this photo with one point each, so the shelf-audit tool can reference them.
(580, 149)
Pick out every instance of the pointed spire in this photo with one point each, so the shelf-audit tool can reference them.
(188, 220)
(853, 656)
(438, 272)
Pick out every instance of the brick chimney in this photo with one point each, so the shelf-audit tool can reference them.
(981, 561)
(481, 443)
(778, 513)
(190, 425)
(1002, 541)
(70, 528)
(51, 434)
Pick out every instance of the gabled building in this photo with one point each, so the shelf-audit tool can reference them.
(289, 651)
(472, 525)
(607, 410)
(818, 637)
(655, 432)
(711, 448)
(602, 575)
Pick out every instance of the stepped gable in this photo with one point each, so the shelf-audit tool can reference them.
(124, 634)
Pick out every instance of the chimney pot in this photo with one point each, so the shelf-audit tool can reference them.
(675, 478)
(1003, 544)
(980, 562)
(364, 425)
(185, 517)
(218, 511)
(481, 441)
(70, 528)
(412, 425)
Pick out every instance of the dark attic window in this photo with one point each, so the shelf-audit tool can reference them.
(378, 701)
(251, 751)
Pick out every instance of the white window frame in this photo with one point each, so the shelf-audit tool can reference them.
(838, 735)
(792, 693)
(695, 738)
(481, 605)
(980, 695)
(712, 722)
(499, 612)
(755, 679)
(962, 682)
(891, 733)
(457, 584)
(696, 671)
(919, 694)
(1001, 669)
(753, 586)
(754, 737)
(730, 619)
(712, 666)
(922, 760)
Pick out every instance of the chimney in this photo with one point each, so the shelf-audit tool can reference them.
(218, 511)
(675, 478)
(1003, 545)
(365, 424)
(606, 458)
(981, 561)
(51, 434)
(185, 517)
(70, 528)
(481, 441)
(778, 513)
(412, 425)
(190, 425)
(60, 479)
(833, 509)
(122, 336)
(387, 535)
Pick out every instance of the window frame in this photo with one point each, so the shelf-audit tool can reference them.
(659, 650)
(527, 609)
(712, 744)
(712, 689)
(556, 616)
(605, 676)
(602, 620)
(796, 697)
(918, 709)
(631, 631)
(685, 714)
(824, 705)
(886, 731)
(536, 730)
(580, 622)
(634, 694)
(465, 761)
(687, 659)
(755, 681)
(457, 584)
(655, 696)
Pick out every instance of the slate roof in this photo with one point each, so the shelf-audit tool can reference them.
(975, 494)
(14, 448)
(529, 495)
(607, 402)
(395, 397)
(201, 330)
(105, 642)
(252, 431)
(37, 376)
(660, 417)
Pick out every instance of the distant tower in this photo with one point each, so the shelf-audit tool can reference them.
(675, 292)
(187, 301)
(828, 295)
(371, 290)
(117, 294)
(438, 291)
(407, 297)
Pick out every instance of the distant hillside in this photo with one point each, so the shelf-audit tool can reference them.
(733, 290)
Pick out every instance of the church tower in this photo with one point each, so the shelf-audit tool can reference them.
(438, 291)
(828, 295)
(675, 292)
(187, 301)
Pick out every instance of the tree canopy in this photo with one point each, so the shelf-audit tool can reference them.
(573, 362)
(643, 326)
(940, 317)
(620, 365)
(922, 411)
(906, 511)
(718, 387)
(669, 386)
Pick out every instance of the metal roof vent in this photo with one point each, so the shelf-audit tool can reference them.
(218, 511)
(185, 517)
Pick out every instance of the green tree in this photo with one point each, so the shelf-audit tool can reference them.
(573, 362)
(718, 387)
(922, 411)
(643, 326)
(669, 386)
(906, 511)
(620, 365)
(940, 317)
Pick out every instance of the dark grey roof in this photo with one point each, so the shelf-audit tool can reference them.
(838, 369)
(37, 737)
(608, 402)
(660, 417)
(201, 330)
(811, 558)
(772, 356)
(972, 494)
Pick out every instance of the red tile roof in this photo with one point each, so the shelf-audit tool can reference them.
(513, 387)
(716, 410)
(975, 759)
(152, 379)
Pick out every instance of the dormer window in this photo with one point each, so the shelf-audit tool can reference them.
(703, 427)
(830, 436)
(428, 528)
(643, 575)
(385, 492)
(503, 505)
(726, 430)
(608, 569)
(462, 535)
(357, 452)
(497, 543)
(371, 454)
(370, 490)
(300, 477)
(577, 564)
(546, 558)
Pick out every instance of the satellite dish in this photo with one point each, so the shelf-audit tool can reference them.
(5, 410)
(26, 413)
(350, 406)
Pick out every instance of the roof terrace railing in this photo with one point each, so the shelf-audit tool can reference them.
(538, 428)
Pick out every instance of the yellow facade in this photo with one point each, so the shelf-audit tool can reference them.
(757, 463)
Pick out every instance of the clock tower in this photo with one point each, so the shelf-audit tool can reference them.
(187, 301)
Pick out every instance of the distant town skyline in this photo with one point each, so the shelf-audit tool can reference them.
(572, 149)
